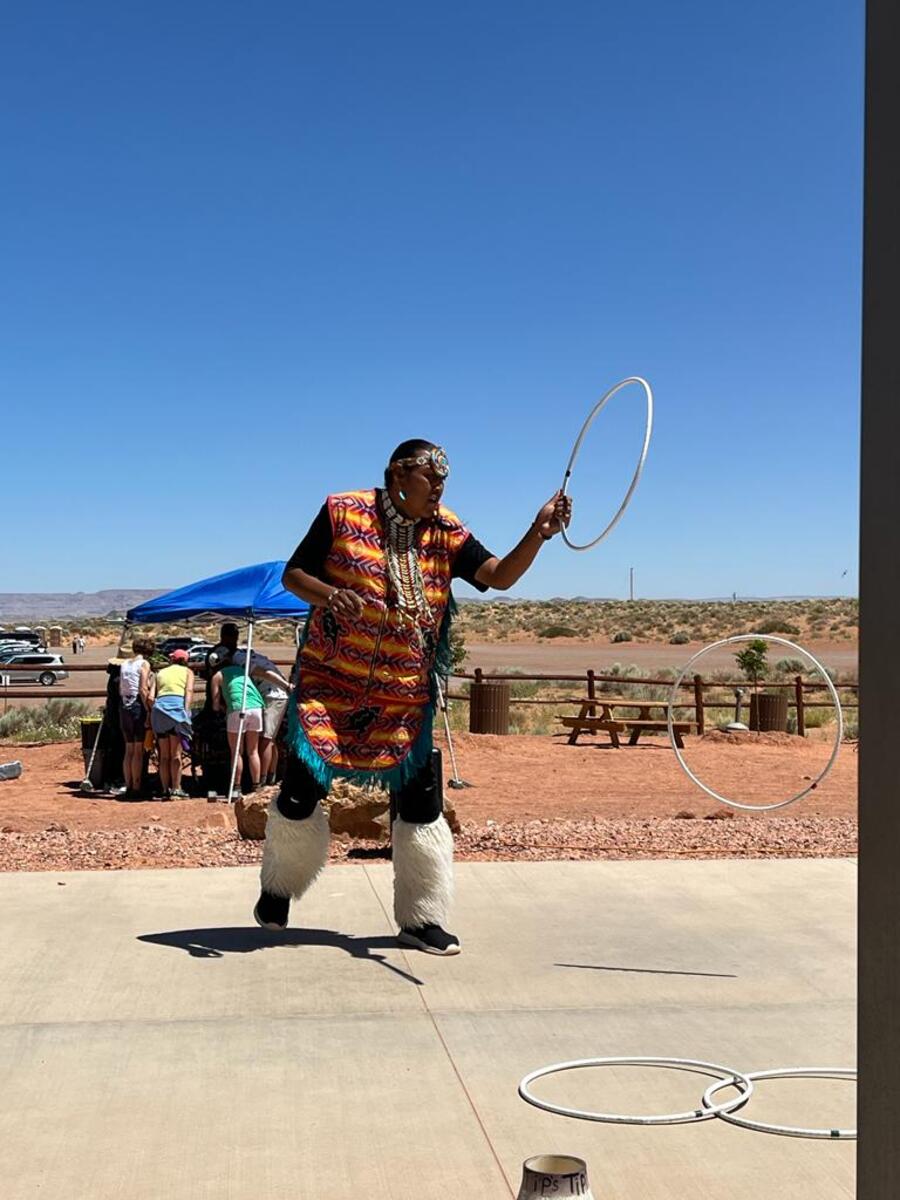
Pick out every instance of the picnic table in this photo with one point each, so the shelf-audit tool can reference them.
(587, 720)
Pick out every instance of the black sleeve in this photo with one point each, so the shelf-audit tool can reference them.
(471, 558)
(310, 555)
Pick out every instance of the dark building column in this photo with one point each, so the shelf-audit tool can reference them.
(879, 756)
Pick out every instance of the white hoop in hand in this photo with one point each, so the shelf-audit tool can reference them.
(752, 637)
(595, 411)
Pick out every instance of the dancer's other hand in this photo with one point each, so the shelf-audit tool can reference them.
(555, 514)
(345, 603)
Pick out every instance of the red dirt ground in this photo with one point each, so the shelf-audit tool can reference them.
(516, 779)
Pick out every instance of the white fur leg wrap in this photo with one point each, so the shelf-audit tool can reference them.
(295, 852)
(423, 873)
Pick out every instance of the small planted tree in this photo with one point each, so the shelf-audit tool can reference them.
(752, 660)
(767, 712)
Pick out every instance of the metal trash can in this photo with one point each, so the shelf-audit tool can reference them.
(769, 712)
(489, 706)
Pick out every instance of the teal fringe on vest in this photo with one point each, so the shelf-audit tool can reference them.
(394, 779)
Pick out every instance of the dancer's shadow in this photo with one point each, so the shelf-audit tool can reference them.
(217, 942)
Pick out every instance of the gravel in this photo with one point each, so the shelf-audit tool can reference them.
(57, 848)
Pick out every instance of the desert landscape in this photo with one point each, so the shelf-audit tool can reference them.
(532, 795)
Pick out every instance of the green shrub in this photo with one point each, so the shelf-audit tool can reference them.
(776, 625)
(555, 631)
(55, 721)
(679, 638)
(789, 666)
(815, 718)
(622, 636)
(457, 648)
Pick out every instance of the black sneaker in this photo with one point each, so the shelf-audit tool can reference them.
(430, 938)
(271, 911)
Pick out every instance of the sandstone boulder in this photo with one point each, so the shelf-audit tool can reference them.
(250, 814)
(353, 812)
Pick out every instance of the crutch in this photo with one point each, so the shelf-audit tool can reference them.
(455, 782)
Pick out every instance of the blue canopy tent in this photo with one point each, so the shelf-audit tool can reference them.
(250, 594)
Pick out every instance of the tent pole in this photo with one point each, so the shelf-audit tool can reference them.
(240, 732)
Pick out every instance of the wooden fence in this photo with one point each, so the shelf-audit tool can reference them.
(697, 687)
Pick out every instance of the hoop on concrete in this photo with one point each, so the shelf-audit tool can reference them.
(729, 1078)
(836, 700)
(787, 1130)
(595, 411)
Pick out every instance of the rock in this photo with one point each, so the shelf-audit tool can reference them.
(450, 814)
(353, 812)
(57, 828)
(9, 829)
(219, 820)
(359, 812)
(364, 812)
(250, 812)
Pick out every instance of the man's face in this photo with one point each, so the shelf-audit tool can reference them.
(229, 636)
(424, 488)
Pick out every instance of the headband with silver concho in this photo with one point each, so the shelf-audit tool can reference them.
(436, 458)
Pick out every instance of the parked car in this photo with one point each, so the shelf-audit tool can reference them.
(197, 654)
(25, 637)
(8, 650)
(167, 645)
(44, 669)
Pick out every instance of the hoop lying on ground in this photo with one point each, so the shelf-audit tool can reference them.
(595, 411)
(786, 1130)
(752, 637)
(729, 1078)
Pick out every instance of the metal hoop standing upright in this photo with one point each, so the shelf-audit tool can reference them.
(594, 413)
(836, 700)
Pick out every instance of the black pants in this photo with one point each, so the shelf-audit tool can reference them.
(419, 801)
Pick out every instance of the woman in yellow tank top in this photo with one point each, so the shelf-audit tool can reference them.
(171, 721)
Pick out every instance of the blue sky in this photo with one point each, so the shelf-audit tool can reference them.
(249, 248)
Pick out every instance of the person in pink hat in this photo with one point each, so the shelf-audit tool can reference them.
(170, 718)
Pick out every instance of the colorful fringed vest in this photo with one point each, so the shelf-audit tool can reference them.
(364, 702)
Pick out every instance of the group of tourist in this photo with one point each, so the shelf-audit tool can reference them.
(155, 705)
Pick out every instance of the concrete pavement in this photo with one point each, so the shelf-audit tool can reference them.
(153, 1043)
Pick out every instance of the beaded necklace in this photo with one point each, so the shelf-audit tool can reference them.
(407, 587)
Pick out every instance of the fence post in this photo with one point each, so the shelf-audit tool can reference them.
(698, 704)
(592, 688)
(478, 674)
(801, 715)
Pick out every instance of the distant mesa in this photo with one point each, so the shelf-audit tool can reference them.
(44, 605)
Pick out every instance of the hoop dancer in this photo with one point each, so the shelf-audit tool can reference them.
(377, 566)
